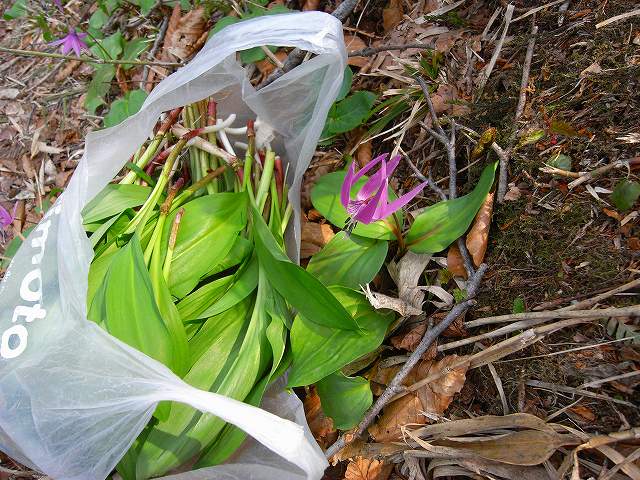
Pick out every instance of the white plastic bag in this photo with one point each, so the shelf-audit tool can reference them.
(73, 398)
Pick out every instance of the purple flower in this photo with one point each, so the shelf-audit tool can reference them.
(6, 218)
(371, 203)
(73, 41)
(58, 4)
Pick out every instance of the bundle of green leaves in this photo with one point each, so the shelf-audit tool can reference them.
(190, 268)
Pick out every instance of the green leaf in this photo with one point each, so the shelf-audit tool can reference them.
(98, 19)
(561, 161)
(345, 399)
(124, 305)
(218, 364)
(112, 200)
(98, 87)
(531, 137)
(347, 81)
(240, 251)
(124, 107)
(348, 260)
(301, 289)
(441, 224)
(111, 47)
(46, 31)
(197, 301)
(17, 10)
(146, 5)
(223, 22)
(319, 351)
(518, 305)
(325, 196)
(208, 230)
(625, 194)
(255, 54)
(349, 113)
(245, 282)
(132, 50)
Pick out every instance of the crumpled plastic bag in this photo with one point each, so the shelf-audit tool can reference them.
(73, 398)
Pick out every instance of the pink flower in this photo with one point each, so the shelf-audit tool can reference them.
(58, 4)
(6, 218)
(372, 201)
(73, 41)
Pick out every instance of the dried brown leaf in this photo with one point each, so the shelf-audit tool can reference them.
(353, 43)
(584, 412)
(314, 236)
(409, 341)
(320, 425)
(477, 240)
(434, 398)
(311, 5)
(364, 153)
(181, 39)
(367, 469)
(392, 15)
(266, 66)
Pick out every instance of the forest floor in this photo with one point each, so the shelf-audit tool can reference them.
(562, 237)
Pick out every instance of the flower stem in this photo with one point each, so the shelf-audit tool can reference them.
(265, 179)
(172, 244)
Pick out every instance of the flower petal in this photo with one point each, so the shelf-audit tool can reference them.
(393, 163)
(367, 213)
(402, 201)
(369, 166)
(345, 191)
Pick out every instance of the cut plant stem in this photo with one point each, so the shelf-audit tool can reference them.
(265, 179)
(165, 208)
(151, 150)
(248, 161)
(188, 192)
(143, 215)
(172, 244)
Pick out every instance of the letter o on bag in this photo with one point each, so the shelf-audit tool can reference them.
(8, 347)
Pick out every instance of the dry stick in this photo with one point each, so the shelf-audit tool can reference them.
(577, 391)
(154, 48)
(617, 18)
(100, 61)
(598, 298)
(296, 56)
(484, 76)
(553, 314)
(588, 176)
(522, 100)
(395, 385)
(595, 383)
(369, 51)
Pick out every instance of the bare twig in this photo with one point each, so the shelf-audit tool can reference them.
(428, 180)
(559, 171)
(99, 61)
(486, 73)
(369, 51)
(550, 315)
(622, 376)
(522, 100)
(617, 18)
(576, 391)
(498, 382)
(598, 298)
(395, 385)
(296, 56)
(536, 10)
(588, 176)
(154, 49)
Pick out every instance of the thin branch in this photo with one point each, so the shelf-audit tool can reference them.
(486, 73)
(395, 385)
(369, 51)
(296, 56)
(522, 100)
(99, 61)
(154, 48)
(553, 314)
(588, 176)
(428, 180)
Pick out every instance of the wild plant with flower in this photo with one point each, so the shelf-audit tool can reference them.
(73, 41)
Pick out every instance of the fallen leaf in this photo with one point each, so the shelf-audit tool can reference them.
(313, 237)
(392, 15)
(382, 301)
(594, 69)
(584, 412)
(364, 153)
(354, 43)
(320, 425)
(456, 329)
(433, 399)
(310, 5)
(367, 469)
(478, 236)
(410, 340)
(634, 243)
(476, 241)
(266, 66)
